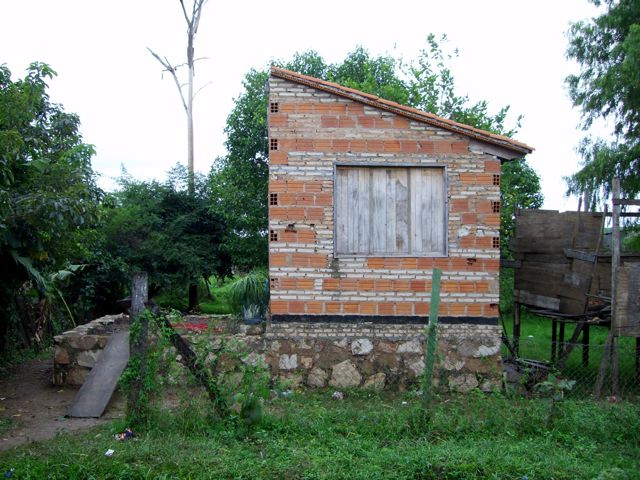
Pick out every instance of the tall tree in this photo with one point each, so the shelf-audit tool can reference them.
(192, 20)
(48, 193)
(607, 86)
(240, 178)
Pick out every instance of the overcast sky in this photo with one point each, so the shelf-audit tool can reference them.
(512, 52)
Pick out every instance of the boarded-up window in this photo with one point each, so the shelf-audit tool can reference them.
(390, 211)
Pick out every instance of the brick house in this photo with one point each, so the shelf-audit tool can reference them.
(366, 197)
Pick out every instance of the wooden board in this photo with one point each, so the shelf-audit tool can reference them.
(627, 312)
(390, 210)
(531, 299)
(95, 393)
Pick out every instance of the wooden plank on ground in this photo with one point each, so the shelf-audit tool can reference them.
(95, 393)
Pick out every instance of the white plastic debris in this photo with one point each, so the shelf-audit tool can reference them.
(109, 453)
(337, 395)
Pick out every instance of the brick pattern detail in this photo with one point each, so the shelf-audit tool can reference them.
(315, 130)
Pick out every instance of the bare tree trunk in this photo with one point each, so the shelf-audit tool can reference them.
(194, 299)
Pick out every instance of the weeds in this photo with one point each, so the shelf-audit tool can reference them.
(237, 383)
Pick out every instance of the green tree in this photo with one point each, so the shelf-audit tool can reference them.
(240, 178)
(48, 196)
(607, 86)
(163, 229)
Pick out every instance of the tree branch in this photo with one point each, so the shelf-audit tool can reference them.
(172, 70)
(202, 88)
(184, 11)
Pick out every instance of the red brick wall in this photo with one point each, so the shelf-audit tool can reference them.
(314, 130)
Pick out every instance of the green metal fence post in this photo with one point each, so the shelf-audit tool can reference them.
(431, 331)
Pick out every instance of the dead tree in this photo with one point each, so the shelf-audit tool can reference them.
(193, 21)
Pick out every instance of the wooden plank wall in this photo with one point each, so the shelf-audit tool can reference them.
(540, 243)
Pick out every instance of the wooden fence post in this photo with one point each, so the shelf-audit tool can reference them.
(138, 340)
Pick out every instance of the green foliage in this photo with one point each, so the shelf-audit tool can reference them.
(249, 294)
(143, 371)
(519, 188)
(159, 228)
(607, 48)
(239, 180)
(310, 436)
(555, 389)
(241, 381)
(48, 194)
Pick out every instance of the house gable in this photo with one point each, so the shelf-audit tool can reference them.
(317, 132)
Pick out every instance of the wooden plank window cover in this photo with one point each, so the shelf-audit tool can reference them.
(398, 211)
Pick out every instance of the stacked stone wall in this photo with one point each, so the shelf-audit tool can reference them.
(335, 355)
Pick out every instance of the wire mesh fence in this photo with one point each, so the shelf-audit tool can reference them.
(597, 368)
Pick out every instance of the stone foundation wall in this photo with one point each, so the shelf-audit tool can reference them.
(77, 350)
(347, 355)
(382, 356)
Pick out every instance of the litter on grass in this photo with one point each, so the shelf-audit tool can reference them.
(126, 435)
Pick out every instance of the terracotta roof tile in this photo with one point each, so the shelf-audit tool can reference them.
(414, 114)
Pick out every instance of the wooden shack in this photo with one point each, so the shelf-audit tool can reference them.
(366, 197)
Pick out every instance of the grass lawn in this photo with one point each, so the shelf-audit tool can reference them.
(216, 304)
(311, 436)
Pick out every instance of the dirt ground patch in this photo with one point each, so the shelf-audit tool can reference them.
(33, 409)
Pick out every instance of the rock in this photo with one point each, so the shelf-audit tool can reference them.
(61, 356)
(488, 350)
(452, 364)
(412, 346)
(292, 380)
(386, 361)
(337, 396)
(82, 342)
(306, 362)
(317, 378)
(416, 365)
(463, 382)
(77, 376)
(362, 346)
(343, 343)
(375, 382)
(88, 358)
(489, 386)
(386, 347)
(303, 345)
(344, 375)
(255, 329)
(288, 362)
(275, 346)
(254, 359)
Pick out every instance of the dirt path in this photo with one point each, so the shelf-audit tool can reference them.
(32, 409)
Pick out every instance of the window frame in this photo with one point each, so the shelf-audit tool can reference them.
(444, 169)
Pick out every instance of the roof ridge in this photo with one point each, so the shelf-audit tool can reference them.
(398, 108)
